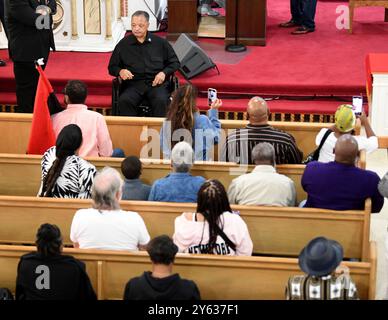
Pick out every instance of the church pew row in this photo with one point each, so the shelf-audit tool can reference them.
(274, 230)
(21, 174)
(126, 132)
(217, 277)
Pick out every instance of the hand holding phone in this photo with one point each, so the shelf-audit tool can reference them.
(211, 95)
(357, 105)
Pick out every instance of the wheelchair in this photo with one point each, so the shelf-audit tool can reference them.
(118, 85)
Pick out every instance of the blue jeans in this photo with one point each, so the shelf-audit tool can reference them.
(303, 12)
(118, 153)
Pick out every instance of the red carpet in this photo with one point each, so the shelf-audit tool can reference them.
(326, 62)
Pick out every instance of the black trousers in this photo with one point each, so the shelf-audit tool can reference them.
(303, 12)
(26, 77)
(136, 91)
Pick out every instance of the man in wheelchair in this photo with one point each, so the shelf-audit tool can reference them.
(143, 63)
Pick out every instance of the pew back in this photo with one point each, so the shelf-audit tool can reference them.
(274, 230)
(217, 277)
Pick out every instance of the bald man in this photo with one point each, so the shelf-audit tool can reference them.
(239, 144)
(340, 185)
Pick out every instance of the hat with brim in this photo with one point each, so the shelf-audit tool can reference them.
(320, 257)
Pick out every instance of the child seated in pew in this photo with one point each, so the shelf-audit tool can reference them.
(161, 283)
(64, 173)
(326, 278)
(133, 188)
(213, 228)
(49, 275)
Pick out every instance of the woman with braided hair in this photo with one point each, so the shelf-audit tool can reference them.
(214, 228)
(64, 173)
(184, 122)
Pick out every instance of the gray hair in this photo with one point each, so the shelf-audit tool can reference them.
(106, 184)
(263, 152)
(139, 13)
(182, 157)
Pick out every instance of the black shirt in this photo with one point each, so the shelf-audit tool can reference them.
(67, 280)
(145, 60)
(146, 287)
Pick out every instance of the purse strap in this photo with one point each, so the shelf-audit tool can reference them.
(324, 138)
(226, 239)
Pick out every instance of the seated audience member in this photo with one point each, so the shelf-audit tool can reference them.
(326, 278)
(263, 186)
(64, 173)
(183, 118)
(340, 185)
(345, 122)
(180, 185)
(213, 229)
(239, 144)
(48, 274)
(133, 188)
(161, 283)
(96, 142)
(106, 226)
(144, 61)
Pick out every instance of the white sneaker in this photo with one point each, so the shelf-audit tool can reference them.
(221, 3)
(206, 10)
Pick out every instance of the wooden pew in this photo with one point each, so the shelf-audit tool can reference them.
(274, 230)
(21, 174)
(126, 132)
(217, 277)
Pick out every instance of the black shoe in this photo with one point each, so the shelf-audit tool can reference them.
(302, 30)
(2, 63)
(289, 24)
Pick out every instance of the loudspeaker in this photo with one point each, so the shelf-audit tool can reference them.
(192, 58)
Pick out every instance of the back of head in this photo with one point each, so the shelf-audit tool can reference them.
(182, 157)
(182, 108)
(131, 167)
(264, 153)
(257, 111)
(346, 149)
(320, 257)
(77, 91)
(69, 140)
(162, 250)
(345, 119)
(212, 203)
(106, 189)
(49, 240)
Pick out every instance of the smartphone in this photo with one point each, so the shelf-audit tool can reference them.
(211, 95)
(357, 105)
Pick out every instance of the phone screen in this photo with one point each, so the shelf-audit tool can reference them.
(357, 105)
(211, 95)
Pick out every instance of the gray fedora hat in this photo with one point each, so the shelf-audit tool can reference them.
(320, 257)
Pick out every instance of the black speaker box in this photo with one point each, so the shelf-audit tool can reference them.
(192, 58)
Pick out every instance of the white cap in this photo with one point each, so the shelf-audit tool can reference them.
(182, 153)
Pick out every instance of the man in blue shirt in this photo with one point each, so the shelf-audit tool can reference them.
(340, 185)
(180, 185)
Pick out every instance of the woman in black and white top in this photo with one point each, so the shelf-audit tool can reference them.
(64, 173)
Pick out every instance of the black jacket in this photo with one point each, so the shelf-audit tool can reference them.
(68, 279)
(144, 60)
(27, 43)
(173, 287)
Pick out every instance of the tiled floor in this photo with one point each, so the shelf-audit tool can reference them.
(378, 162)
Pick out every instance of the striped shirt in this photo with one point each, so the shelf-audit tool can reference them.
(239, 145)
(304, 287)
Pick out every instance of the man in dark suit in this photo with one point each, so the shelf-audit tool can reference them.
(303, 14)
(29, 25)
(2, 62)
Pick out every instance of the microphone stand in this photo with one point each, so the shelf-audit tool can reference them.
(236, 47)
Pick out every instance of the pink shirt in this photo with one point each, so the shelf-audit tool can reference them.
(190, 236)
(96, 139)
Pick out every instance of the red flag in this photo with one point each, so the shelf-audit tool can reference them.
(42, 135)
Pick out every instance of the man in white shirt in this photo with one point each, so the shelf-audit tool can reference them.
(105, 226)
(263, 186)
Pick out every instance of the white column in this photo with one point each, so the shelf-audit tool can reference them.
(378, 111)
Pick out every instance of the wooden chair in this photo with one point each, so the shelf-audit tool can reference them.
(365, 3)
